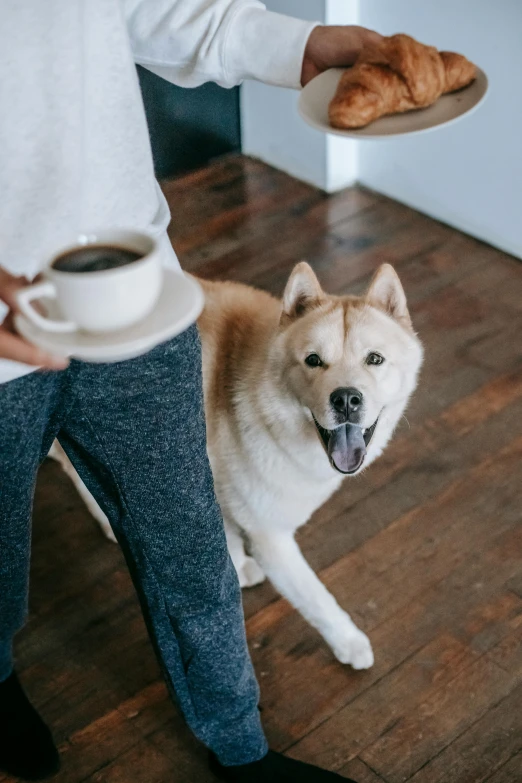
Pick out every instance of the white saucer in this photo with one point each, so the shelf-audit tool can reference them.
(316, 96)
(179, 305)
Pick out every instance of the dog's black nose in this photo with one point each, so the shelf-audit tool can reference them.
(346, 401)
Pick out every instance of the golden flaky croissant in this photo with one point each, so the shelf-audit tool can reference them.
(397, 75)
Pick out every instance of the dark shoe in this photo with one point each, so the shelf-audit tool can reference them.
(274, 768)
(27, 749)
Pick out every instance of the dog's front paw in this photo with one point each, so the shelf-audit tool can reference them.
(354, 647)
(250, 573)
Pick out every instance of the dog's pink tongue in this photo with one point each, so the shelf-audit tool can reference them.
(346, 448)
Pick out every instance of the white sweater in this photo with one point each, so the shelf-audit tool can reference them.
(74, 145)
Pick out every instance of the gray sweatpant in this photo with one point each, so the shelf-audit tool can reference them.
(135, 433)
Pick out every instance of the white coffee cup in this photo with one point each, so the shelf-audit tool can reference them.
(99, 301)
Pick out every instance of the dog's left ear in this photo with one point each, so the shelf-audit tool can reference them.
(386, 292)
(303, 292)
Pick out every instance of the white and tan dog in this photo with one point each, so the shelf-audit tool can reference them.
(298, 394)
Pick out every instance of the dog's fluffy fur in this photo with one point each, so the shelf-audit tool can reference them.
(270, 419)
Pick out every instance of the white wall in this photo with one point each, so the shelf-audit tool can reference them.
(271, 128)
(470, 174)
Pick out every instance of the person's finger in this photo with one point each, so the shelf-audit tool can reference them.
(330, 46)
(348, 42)
(9, 285)
(17, 349)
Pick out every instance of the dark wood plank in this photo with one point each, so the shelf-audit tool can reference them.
(143, 763)
(360, 772)
(441, 718)
(511, 772)
(492, 743)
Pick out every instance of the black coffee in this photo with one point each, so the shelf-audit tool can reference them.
(95, 258)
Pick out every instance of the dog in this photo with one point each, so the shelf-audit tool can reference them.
(299, 394)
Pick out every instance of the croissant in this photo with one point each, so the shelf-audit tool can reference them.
(397, 75)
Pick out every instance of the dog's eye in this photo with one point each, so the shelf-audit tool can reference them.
(374, 358)
(313, 360)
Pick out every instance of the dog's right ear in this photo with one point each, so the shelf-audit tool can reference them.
(302, 293)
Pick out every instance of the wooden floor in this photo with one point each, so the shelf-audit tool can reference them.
(425, 550)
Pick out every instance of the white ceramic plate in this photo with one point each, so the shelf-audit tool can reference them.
(179, 305)
(316, 96)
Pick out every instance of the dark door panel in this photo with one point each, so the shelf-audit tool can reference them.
(189, 127)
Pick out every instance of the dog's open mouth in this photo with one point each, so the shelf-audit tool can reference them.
(346, 445)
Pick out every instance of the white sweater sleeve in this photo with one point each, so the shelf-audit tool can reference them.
(189, 42)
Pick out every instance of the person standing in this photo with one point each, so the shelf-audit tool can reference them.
(74, 149)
